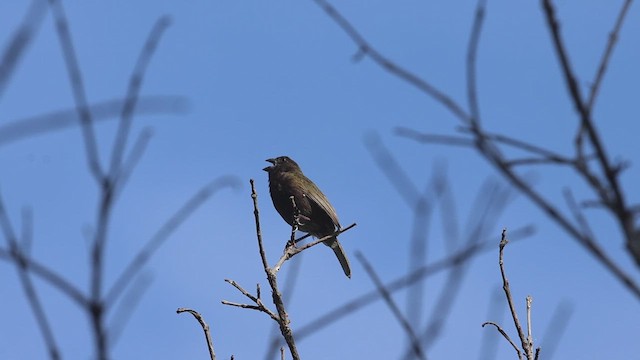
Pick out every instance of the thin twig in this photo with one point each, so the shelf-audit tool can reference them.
(506, 336)
(395, 310)
(606, 55)
(291, 251)
(491, 201)
(507, 291)
(26, 128)
(46, 274)
(165, 231)
(552, 212)
(135, 83)
(616, 199)
(20, 40)
(130, 302)
(529, 300)
(351, 306)
(129, 164)
(556, 327)
(205, 329)
(77, 85)
(495, 311)
(260, 306)
(390, 167)
(472, 51)
(27, 284)
(365, 48)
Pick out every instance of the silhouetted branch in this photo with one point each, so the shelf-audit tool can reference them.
(77, 86)
(46, 274)
(135, 83)
(606, 56)
(472, 50)
(22, 268)
(391, 169)
(22, 37)
(129, 164)
(205, 329)
(291, 250)
(608, 189)
(491, 201)
(489, 347)
(260, 306)
(556, 327)
(365, 49)
(163, 233)
(127, 307)
(496, 159)
(18, 129)
(505, 335)
(395, 310)
(351, 306)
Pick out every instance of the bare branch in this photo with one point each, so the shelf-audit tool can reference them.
(256, 299)
(77, 85)
(283, 321)
(552, 212)
(18, 129)
(164, 232)
(606, 56)
(22, 37)
(205, 329)
(616, 198)
(28, 287)
(364, 48)
(395, 310)
(472, 50)
(556, 328)
(135, 83)
(291, 250)
(351, 306)
(507, 292)
(506, 336)
(46, 274)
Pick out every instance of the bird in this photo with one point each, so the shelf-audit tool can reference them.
(317, 216)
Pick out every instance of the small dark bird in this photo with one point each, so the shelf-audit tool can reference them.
(317, 216)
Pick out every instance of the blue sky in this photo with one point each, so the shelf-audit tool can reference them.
(262, 79)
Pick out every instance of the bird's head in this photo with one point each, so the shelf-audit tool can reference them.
(282, 164)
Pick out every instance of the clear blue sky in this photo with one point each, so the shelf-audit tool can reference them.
(265, 78)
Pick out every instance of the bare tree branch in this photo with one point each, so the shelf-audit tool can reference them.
(22, 37)
(364, 48)
(283, 321)
(164, 232)
(15, 130)
(77, 86)
(351, 306)
(506, 336)
(606, 56)
(135, 83)
(395, 310)
(31, 294)
(205, 329)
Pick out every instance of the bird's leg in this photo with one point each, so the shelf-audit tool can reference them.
(295, 224)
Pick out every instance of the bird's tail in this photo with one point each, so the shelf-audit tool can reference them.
(340, 254)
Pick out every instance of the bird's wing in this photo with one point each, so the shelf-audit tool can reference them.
(318, 198)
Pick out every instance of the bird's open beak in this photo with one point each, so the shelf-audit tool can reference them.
(273, 161)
